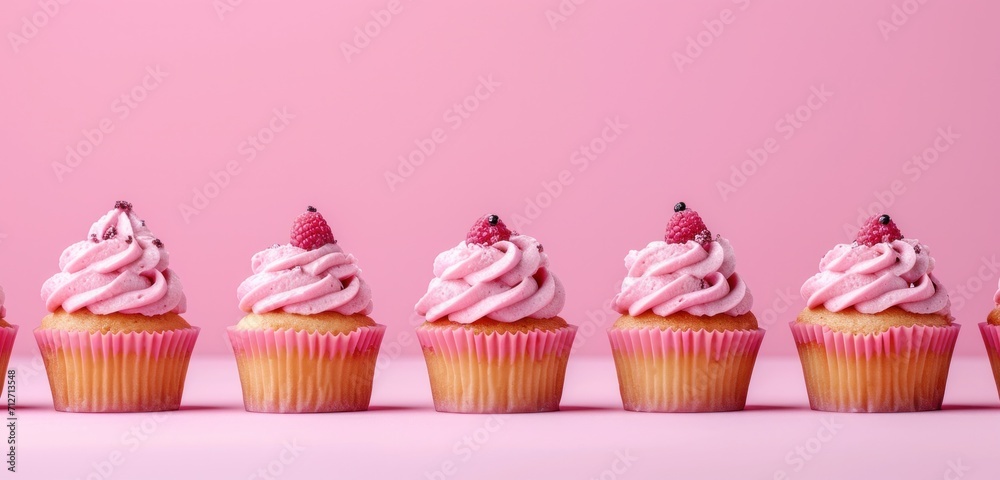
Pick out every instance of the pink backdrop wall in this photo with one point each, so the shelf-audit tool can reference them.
(508, 95)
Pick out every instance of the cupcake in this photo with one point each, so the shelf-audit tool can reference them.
(114, 340)
(307, 343)
(991, 335)
(876, 334)
(686, 340)
(7, 334)
(493, 340)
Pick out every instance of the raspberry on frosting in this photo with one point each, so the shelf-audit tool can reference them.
(878, 229)
(881, 269)
(310, 230)
(308, 276)
(488, 230)
(666, 278)
(685, 226)
(507, 281)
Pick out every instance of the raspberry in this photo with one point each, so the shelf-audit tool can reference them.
(310, 230)
(878, 229)
(686, 225)
(487, 231)
(123, 205)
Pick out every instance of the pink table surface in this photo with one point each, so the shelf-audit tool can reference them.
(403, 437)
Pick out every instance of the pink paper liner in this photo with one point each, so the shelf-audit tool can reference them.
(288, 371)
(511, 372)
(116, 372)
(7, 335)
(904, 369)
(665, 370)
(991, 337)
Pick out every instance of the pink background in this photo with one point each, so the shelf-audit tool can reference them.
(686, 129)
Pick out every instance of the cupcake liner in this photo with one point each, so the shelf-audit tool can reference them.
(991, 336)
(288, 371)
(903, 369)
(510, 372)
(116, 372)
(684, 370)
(7, 335)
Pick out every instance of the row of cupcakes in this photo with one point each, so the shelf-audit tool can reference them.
(876, 335)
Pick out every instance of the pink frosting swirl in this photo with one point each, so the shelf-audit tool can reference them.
(121, 268)
(667, 278)
(305, 282)
(872, 279)
(506, 281)
(3, 309)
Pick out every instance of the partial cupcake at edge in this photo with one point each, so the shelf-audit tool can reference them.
(7, 334)
(493, 340)
(991, 336)
(307, 343)
(114, 340)
(686, 340)
(877, 333)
